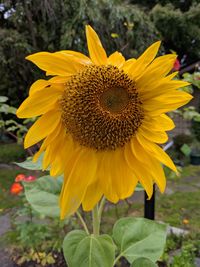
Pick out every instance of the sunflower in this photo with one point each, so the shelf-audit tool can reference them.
(102, 121)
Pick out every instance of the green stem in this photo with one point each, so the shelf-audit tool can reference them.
(95, 219)
(101, 206)
(83, 222)
(116, 260)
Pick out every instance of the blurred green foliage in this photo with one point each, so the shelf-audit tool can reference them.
(30, 26)
(184, 5)
(11, 152)
(180, 30)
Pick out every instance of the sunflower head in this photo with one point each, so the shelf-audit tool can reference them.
(102, 120)
(101, 108)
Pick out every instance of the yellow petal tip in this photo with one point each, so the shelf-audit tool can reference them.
(157, 44)
(28, 57)
(19, 113)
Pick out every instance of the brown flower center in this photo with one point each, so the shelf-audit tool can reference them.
(101, 108)
(114, 99)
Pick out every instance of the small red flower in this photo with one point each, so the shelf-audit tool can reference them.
(177, 65)
(16, 189)
(20, 177)
(30, 178)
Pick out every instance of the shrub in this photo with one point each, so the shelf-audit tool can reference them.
(11, 152)
(183, 5)
(129, 29)
(60, 25)
(180, 30)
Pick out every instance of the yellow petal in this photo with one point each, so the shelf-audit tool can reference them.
(128, 64)
(144, 60)
(117, 180)
(105, 175)
(92, 196)
(59, 79)
(160, 67)
(38, 85)
(160, 123)
(65, 149)
(47, 157)
(70, 162)
(159, 137)
(124, 180)
(151, 164)
(158, 175)
(156, 152)
(80, 178)
(172, 75)
(53, 135)
(166, 102)
(39, 103)
(42, 127)
(116, 59)
(52, 145)
(56, 63)
(158, 88)
(78, 56)
(142, 174)
(50, 138)
(95, 48)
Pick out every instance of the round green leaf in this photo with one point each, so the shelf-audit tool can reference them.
(85, 250)
(43, 195)
(139, 237)
(143, 262)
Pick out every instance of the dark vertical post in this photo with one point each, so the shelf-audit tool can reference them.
(149, 205)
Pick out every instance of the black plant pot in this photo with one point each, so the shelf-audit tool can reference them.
(195, 159)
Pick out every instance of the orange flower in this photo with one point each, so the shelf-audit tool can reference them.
(16, 189)
(20, 177)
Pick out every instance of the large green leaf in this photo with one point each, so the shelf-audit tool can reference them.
(143, 262)
(30, 165)
(139, 237)
(85, 250)
(43, 195)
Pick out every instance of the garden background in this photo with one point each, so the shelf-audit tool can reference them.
(29, 26)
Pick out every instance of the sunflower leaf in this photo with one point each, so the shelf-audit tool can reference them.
(139, 237)
(30, 165)
(143, 262)
(43, 195)
(81, 249)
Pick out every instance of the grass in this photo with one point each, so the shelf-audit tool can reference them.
(190, 170)
(180, 206)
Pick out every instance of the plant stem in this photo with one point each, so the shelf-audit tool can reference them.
(116, 260)
(101, 206)
(83, 222)
(95, 219)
